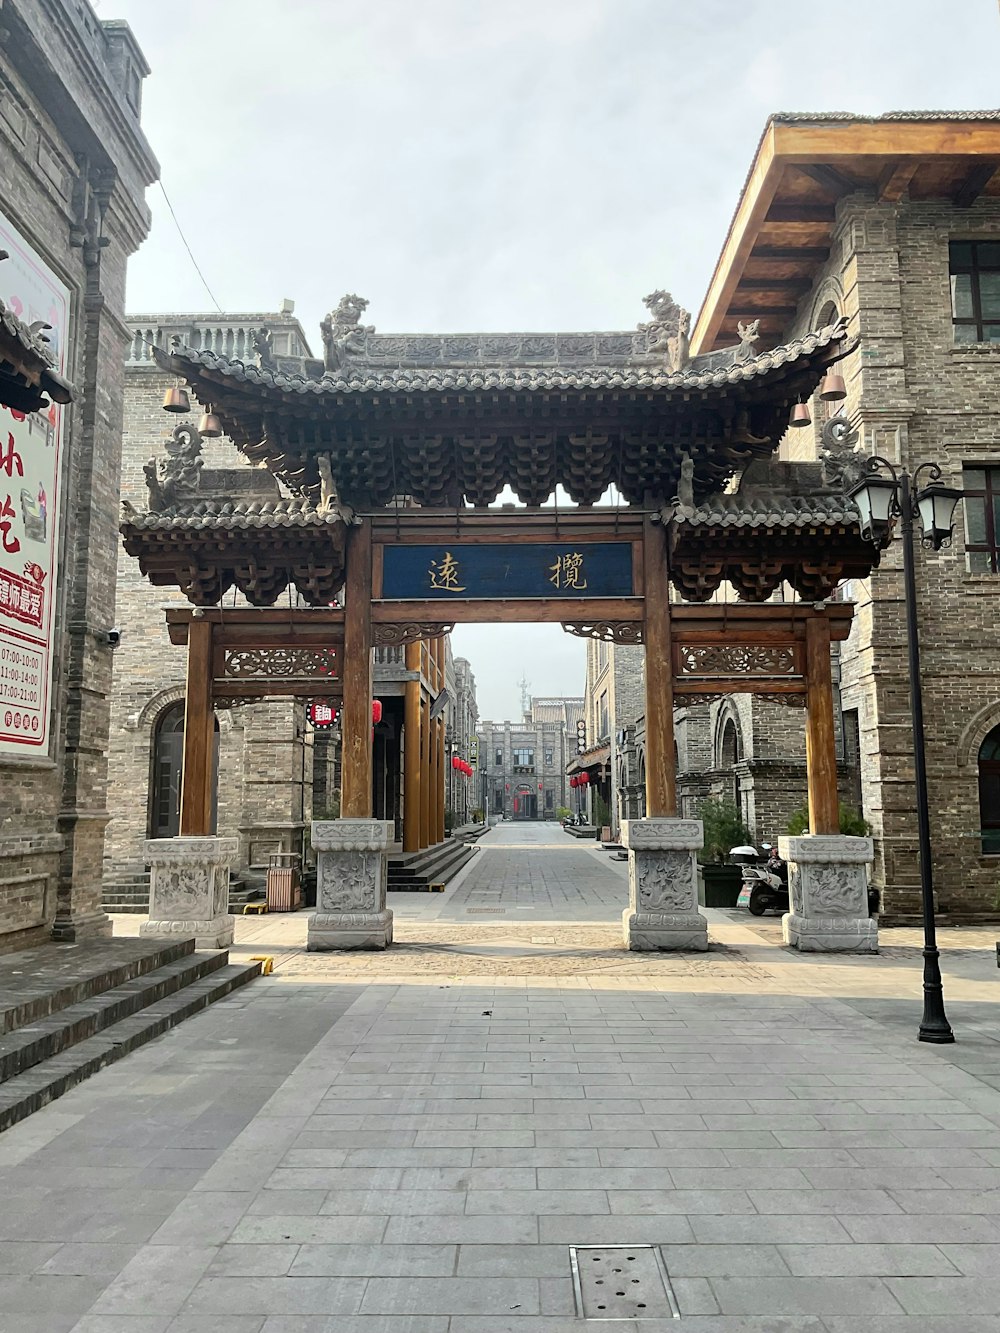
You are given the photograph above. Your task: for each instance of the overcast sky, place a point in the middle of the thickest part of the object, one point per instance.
(498, 164)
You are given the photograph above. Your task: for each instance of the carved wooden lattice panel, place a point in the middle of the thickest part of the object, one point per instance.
(610, 631)
(737, 660)
(282, 663)
(394, 634)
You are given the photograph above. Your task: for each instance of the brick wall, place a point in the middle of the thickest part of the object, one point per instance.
(73, 170)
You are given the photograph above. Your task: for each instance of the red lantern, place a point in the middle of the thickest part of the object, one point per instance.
(572, 782)
(376, 711)
(584, 779)
(455, 761)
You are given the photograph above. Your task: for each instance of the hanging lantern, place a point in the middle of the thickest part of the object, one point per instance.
(176, 399)
(800, 415)
(376, 711)
(210, 426)
(455, 761)
(585, 778)
(833, 388)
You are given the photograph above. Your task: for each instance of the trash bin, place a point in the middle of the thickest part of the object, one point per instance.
(283, 891)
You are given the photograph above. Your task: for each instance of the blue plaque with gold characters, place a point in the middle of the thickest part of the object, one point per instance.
(549, 569)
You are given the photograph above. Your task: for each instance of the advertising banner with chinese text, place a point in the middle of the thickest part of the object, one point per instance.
(30, 456)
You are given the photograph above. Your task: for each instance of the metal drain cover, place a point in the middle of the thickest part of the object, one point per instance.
(622, 1282)
(494, 911)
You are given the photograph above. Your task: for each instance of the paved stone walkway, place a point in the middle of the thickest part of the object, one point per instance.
(378, 1147)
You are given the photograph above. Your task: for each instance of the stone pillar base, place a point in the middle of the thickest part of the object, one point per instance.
(350, 885)
(828, 892)
(663, 885)
(82, 926)
(189, 889)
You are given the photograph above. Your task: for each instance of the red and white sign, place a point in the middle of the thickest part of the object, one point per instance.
(30, 456)
(322, 714)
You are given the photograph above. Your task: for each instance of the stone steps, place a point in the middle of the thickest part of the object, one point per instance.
(57, 1034)
(415, 872)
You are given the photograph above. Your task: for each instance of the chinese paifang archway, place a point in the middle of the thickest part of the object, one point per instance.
(388, 455)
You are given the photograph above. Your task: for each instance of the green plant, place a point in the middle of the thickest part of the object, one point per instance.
(477, 815)
(602, 815)
(563, 812)
(449, 820)
(852, 823)
(724, 829)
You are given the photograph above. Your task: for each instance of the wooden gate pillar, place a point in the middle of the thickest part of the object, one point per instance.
(411, 752)
(356, 711)
(661, 767)
(425, 774)
(821, 747)
(199, 733)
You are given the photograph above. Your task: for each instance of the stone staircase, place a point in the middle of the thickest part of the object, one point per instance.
(414, 872)
(67, 1010)
(127, 890)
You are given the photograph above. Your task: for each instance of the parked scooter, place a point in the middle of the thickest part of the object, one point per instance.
(765, 879)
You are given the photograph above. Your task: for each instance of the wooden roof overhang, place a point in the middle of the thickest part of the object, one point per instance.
(784, 221)
(450, 436)
(205, 548)
(28, 377)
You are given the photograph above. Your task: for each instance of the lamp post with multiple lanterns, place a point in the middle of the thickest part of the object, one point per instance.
(881, 500)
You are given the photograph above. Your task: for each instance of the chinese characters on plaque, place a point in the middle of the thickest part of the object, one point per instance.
(30, 457)
(525, 570)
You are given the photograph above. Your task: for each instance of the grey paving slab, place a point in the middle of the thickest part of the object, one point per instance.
(861, 1296)
(453, 1295)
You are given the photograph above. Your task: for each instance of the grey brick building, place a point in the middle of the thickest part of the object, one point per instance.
(522, 765)
(895, 226)
(74, 166)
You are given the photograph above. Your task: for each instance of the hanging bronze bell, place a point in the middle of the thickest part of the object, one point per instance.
(800, 415)
(176, 400)
(833, 388)
(210, 426)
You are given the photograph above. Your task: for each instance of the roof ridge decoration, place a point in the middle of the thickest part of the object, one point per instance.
(343, 333)
(355, 376)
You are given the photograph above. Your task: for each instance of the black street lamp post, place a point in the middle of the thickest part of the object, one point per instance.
(880, 500)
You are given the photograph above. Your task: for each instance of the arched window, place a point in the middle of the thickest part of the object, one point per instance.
(729, 750)
(989, 792)
(730, 754)
(168, 764)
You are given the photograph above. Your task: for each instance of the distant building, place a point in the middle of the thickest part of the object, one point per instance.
(522, 765)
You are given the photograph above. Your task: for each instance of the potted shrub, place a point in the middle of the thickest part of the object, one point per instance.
(720, 880)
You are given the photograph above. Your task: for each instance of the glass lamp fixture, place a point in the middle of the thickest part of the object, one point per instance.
(875, 497)
(936, 509)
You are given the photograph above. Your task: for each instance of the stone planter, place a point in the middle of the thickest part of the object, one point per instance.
(719, 886)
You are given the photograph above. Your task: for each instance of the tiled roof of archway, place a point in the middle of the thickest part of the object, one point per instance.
(637, 374)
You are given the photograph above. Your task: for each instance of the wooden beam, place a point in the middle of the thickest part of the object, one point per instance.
(796, 212)
(356, 673)
(784, 311)
(974, 183)
(821, 748)
(834, 181)
(895, 180)
(773, 285)
(411, 752)
(661, 766)
(542, 610)
(812, 254)
(197, 781)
